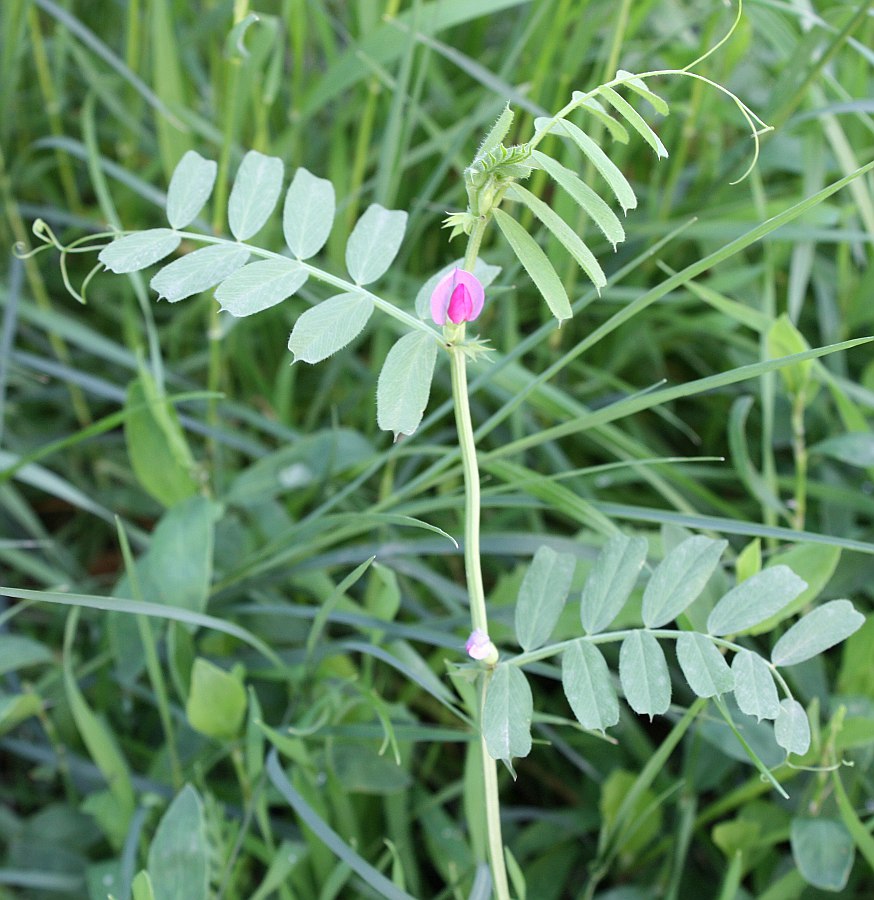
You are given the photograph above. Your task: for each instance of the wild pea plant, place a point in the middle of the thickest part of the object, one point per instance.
(710, 644)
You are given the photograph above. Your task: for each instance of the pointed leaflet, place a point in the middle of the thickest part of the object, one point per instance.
(542, 595)
(826, 626)
(568, 238)
(679, 578)
(260, 285)
(405, 383)
(754, 688)
(179, 853)
(483, 271)
(374, 242)
(138, 250)
(536, 264)
(190, 186)
(643, 673)
(585, 197)
(308, 213)
(619, 184)
(634, 119)
(610, 581)
(704, 667)
(330, 326)
(507, 713)
(617, 130)
(588, 687)
(754, 600)
(254, 194)
(497, 132)
(198, 271)
(639, 86)
(791, 727)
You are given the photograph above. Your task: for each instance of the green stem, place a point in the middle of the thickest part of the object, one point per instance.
(799, 450)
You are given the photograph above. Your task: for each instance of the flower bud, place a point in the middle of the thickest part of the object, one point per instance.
(480, 647)
(458, 298)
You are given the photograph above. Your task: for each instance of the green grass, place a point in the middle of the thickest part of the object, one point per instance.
(653, 410)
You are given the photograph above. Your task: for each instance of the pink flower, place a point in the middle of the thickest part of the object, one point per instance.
(458, 297)
(479, 646)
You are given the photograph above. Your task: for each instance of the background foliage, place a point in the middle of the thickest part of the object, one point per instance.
(258, 492)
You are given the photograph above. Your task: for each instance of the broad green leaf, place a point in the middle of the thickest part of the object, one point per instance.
(634, 119)
(599, 212)
(179, 853)
(157, 449)
(328, 327)
(679, 578)
(611, 580)
(497, 132)
(138, 250)
(704, 667)
(177, 568)
(640, 87)
(405, 383)
(374, 243)
(15, 708)
(754, 600)
(536, 264)
(190, 186)
(19, 652)
(754, 688)
(198, 271)
(568, 238)
(216, 701)
(141, 887)
(260, 285)
(854, 449)
(823, 851)
(588, 686)
(308, 213)
(483, 271)
(619, 184)
(791, 727)
(643, 673)
(254, 194)
(820, 629)
(542, 595)
(507, 713)
(617, 130)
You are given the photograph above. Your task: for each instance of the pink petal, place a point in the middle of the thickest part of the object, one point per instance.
(464, 310)
(460, 305)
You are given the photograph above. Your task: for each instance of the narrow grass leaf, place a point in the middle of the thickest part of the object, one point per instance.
(593, 205)
(374, 243)
(180, 851)
(588, 686)
(405, 383)
(507, 712)
(610, 581)
(858, 829)
(823, 851)
(855, 449)
(640, 87)
(138, 250)
(190, 186)
(619, 184)
(754, 600)
(679, 578)
(20, 652)
(542, 596)
(563, 232)
(198, 271)
(536, 264)
(704, 667)
(254, 194)
(634, 119)
(754, 688)
(820, 629)
(323, 330)
(643, 673)
(308, 816)
(216, 702)
(260, 285)
(308, 213)
(617, 130)
(791, 727)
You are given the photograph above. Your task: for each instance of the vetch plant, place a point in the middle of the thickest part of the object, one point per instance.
(711, 644)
